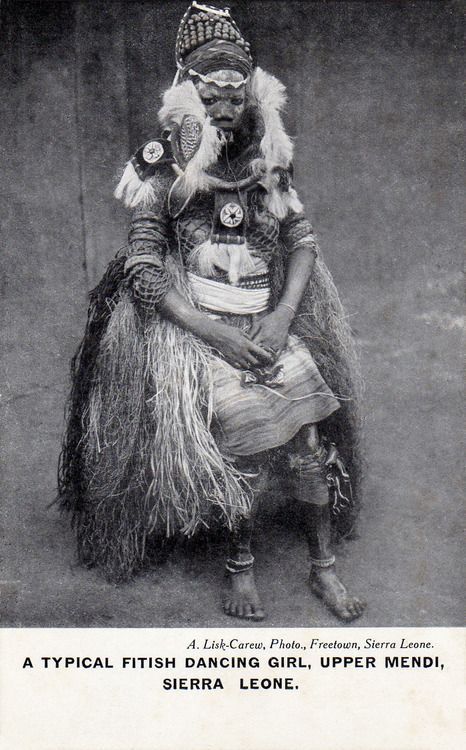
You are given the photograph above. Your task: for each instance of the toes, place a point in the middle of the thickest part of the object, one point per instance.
(354, 608)
(360, 606)
(243, 610)
(344, 613)
(247, 610)
(232, 608)
(335, 596)
(258, 614)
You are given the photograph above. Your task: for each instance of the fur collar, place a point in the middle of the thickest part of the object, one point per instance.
(275, 149)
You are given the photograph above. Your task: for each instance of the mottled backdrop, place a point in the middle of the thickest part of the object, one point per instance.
(375, 96)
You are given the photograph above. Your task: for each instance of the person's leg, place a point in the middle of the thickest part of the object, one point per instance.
(309, 474)
(241, 597)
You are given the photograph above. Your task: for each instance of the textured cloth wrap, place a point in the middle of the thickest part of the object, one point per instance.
(255, 418)
(218, 55)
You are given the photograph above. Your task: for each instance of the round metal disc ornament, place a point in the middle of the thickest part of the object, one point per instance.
(153, 151)
(231, 215)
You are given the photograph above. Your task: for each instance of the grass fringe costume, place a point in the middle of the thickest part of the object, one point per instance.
(141, 458)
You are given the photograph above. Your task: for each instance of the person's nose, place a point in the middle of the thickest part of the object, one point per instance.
(223, 111)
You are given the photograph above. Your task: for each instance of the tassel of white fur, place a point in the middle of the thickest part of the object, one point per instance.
(269, 95)
(133, 191)
(292, 201)
(280, 203)
(235, 259)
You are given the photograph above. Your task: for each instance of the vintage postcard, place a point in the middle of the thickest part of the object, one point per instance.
(232, 400)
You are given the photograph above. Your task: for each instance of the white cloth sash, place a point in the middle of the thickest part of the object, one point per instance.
(225, 298)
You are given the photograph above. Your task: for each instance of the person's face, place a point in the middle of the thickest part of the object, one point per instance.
(224, 105)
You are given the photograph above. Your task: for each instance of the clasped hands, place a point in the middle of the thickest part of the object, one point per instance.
(259, 347)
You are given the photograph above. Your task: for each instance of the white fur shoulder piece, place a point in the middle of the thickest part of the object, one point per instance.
(269, 95)
(181, 100)
(178, 101)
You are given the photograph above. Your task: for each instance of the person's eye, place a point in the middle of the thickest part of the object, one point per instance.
(208, 100)
(237, 101)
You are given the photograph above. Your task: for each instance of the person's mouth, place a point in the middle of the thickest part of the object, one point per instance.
(224, 124)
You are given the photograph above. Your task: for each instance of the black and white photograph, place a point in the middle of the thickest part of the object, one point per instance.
(232, 316)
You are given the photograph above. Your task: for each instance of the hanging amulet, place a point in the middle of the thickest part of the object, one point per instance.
(186, 139)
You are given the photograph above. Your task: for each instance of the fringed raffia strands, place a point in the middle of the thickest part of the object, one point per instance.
(133, 191)
(189, 475)
(111, 530)
(72, 471)
(328, 312)
(148, 460)
(120, 361)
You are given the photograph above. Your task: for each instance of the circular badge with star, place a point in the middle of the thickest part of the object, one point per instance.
(231, 215)
(153, 151)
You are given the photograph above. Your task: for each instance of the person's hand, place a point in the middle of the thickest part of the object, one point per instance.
(237, 347)
(271, 331)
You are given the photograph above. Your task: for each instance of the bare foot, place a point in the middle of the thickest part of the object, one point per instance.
(325, 584)
(242, 599)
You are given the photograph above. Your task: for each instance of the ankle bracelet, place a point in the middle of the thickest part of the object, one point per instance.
(239, 566)
(325, 563)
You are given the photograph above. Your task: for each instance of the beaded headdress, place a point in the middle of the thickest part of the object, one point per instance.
(209, 40)
(210, 47)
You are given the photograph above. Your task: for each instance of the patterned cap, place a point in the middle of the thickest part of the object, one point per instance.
(208, 39)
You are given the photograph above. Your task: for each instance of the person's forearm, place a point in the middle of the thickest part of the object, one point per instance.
(176, 308)
(231, 343)
(299, 270)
